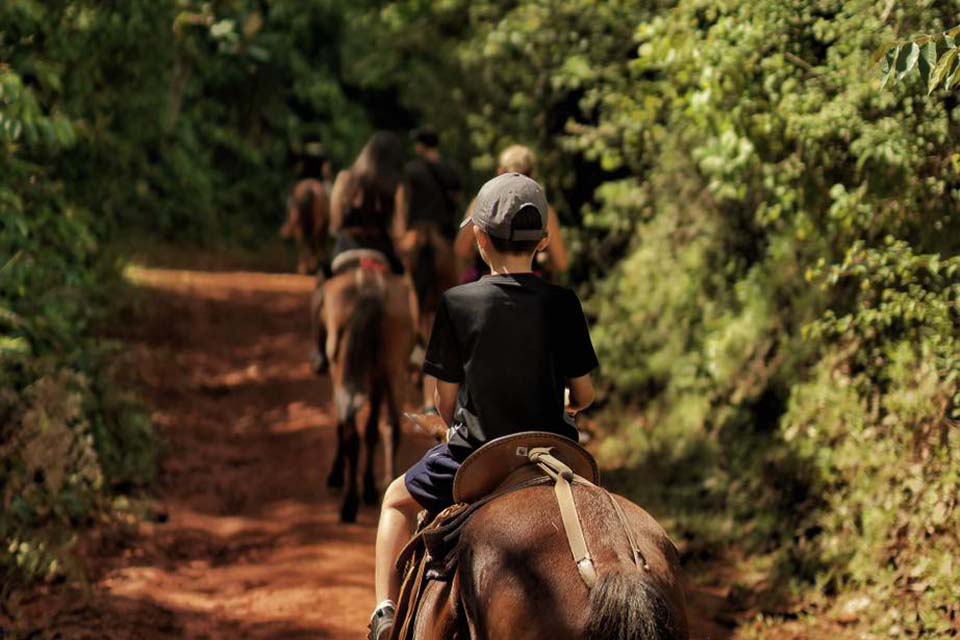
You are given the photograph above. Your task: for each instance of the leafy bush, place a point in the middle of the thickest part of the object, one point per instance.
(66, 436)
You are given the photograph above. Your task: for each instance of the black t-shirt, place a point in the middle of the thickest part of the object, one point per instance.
(433, 189)
(511, 342)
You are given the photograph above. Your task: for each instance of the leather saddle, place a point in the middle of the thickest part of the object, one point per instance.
(362, 258)
(506, 461)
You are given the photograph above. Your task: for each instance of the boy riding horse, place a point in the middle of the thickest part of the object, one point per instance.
(503, 350)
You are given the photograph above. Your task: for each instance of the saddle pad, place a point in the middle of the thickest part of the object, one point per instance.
(489, 466)
(354, 257)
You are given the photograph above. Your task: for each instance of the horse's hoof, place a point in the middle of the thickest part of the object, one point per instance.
(335, 481)
(370, 496)
(319, 363)
(348, 512)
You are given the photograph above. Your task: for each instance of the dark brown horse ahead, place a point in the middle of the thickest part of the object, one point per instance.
(367, 316)
(515, 576)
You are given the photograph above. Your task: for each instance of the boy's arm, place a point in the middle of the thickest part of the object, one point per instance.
(582, 394)
(445, 398)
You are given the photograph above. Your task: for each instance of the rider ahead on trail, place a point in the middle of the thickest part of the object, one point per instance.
(550, 263)
(435, 187)
(367, 211)
(368, 204)
(308, 209)
(503, 349)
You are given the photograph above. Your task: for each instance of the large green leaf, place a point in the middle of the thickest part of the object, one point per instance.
(907, 60)
(943, 69)
(890, 66)
(928, 60)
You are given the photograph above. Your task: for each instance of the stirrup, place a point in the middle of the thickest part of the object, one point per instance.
(381, 622)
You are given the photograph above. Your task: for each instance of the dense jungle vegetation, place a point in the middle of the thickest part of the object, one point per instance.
(767, 241)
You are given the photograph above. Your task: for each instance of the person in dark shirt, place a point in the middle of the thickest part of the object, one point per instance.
(435, 187)
(434, 199)
(503, 350)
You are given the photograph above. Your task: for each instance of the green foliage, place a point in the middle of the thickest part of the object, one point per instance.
(249, 85)
(66, 436)
(878, 422)
(768, 157)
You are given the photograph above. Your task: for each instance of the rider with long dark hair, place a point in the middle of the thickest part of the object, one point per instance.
(368, 205)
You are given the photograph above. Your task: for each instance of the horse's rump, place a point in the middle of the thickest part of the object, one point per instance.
(516, 578)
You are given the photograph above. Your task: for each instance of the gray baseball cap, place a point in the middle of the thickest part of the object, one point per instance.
(501, 198)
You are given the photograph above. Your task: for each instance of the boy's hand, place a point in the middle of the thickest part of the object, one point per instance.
(580, 394)
(432, 425)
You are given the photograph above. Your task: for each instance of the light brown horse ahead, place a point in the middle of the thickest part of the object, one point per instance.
(516, 578)
(369, 336)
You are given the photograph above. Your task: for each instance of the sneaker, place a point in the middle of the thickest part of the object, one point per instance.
(381, 622)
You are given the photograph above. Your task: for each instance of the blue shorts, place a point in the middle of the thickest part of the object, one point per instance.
(430, 479)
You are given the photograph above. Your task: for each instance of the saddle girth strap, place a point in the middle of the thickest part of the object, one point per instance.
(563, 476)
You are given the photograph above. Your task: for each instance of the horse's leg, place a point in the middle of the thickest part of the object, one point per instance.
(335, 479)
(371, 437)
(351, 448)
(320, 357)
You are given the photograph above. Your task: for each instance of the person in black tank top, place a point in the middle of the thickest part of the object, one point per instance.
(368, 204)
(503, 349)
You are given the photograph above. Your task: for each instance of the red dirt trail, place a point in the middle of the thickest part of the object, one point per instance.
(248, 544)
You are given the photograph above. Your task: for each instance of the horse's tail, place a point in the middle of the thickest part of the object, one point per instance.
(363, 338)
(626, 605)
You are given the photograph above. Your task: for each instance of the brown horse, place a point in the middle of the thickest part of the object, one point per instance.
(430, 262)
(515, 576)
(308, 217)
(369, 335)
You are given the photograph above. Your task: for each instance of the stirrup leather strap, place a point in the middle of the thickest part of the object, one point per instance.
(562, 476)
